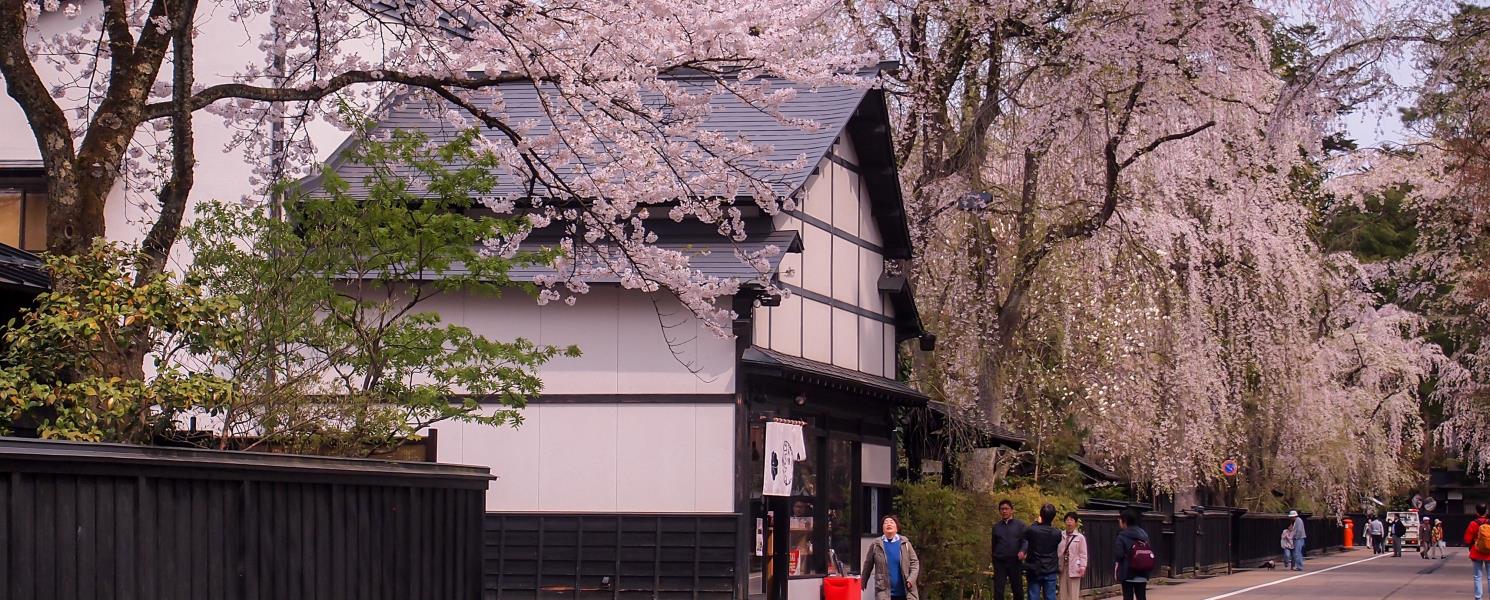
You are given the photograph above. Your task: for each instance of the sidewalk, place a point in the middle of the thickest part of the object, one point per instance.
(1353, 574)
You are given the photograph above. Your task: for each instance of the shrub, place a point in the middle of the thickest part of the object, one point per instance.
(950, 528)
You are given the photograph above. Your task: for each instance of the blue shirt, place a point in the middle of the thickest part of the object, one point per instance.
(892, 562)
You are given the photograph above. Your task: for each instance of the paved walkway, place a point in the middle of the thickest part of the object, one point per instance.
(1354, 575)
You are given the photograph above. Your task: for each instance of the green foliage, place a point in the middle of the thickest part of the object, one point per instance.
(951, 526)
(314, 334)
(343, 353)
(1382, 229)
(950, 531)
(71, 365)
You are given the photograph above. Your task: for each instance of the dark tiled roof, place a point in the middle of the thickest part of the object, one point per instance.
(834, 110)
(22, 270)
(521, 103)
(802, 368)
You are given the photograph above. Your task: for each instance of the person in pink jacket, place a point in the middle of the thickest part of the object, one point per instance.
(1073, 559)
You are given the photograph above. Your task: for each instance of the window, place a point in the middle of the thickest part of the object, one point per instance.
(805, 554)
(839, 491)
(23, 218)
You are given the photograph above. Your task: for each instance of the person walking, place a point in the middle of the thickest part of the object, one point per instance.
(1042, 547)
(1398, 530)
(1073, 558)
(1477, 537)
(1287, 543)
(1438, 544)
(1378, 535)
(891, 563)
(1008, 536)
(1300, 535)
(1425, 538)
(1135, 559)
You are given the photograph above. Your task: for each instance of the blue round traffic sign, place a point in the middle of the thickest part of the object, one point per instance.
(1229, 468)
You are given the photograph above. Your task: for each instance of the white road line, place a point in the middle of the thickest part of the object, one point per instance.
(1288, 579)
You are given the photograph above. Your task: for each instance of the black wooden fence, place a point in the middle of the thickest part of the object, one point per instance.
(1192, 543)
(122, 522)
(610, 557)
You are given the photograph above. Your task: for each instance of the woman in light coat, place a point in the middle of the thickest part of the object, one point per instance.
(1073, 559)
(892, 563)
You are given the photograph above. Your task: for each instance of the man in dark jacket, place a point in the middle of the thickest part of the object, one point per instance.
(1398, 530)
(1008, 539)
(1042, 543)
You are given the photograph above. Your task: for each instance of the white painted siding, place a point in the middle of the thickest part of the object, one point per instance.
(604, 458)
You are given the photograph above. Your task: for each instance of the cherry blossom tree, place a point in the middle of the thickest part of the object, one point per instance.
(1443, 173)
(112, 94)
(1115, 203)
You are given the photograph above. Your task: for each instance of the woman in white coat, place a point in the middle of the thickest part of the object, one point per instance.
(1073, 559)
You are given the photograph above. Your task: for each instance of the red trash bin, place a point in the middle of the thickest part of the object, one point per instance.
(840, 588)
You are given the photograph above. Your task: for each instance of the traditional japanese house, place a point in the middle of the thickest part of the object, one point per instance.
(639, 472)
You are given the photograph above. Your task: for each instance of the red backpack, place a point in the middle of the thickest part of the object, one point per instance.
(1141, 557)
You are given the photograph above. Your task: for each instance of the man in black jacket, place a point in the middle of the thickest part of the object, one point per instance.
(1042, 543)
(1008, 539)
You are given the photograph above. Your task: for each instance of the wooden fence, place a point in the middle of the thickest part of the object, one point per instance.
(1195, 543)
(123, 522)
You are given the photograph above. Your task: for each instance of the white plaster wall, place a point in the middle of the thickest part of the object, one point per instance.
(835, 267)
(846, 271)
(845, 339)
(875, 465)
(804, 589)
(649, 458)
(624, 347)
(817, 329)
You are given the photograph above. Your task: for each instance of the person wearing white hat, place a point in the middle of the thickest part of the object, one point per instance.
(1299, 533)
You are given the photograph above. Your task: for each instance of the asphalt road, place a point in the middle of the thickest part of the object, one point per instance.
(1355, 575)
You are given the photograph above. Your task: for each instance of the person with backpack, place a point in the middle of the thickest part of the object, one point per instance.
(1477, 537)
(1073, 558)
(1042, 546)
(1135, 558)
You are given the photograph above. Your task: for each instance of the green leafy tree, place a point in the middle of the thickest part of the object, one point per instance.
(53, 371)
(341, 352)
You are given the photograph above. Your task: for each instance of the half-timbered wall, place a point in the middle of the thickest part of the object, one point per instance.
(836, 313)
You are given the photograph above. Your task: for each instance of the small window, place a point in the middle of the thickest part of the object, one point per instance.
(23, 219)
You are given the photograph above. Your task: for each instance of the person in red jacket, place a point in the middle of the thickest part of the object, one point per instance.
(1481, 560)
